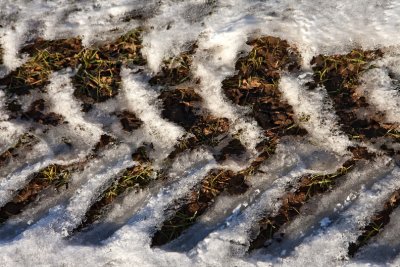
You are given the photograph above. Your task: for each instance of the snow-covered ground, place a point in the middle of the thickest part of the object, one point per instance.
(221, 29)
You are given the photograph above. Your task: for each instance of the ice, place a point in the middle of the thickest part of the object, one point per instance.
(325, 222)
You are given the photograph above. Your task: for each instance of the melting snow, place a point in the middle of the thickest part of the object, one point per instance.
(221, 29)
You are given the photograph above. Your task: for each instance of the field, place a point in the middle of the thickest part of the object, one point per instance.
(199, 133)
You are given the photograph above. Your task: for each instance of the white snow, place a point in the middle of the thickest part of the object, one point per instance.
(315, 113)
(221, 29)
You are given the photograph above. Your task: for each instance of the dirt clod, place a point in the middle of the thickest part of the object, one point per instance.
(129, 121)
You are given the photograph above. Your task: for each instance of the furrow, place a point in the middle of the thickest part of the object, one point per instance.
(263, 173)
(379, 86)
(322, 210)
(384, 246)
(309, 186)
(142, 101)
(336, 237)
(144, 223)
(314, 112)
(233, 234)
(114, 162)
(135, 178)
(376, 223)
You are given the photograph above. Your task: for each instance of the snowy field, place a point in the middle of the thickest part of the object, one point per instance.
(47, 230)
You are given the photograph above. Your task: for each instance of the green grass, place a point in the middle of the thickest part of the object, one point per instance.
(136, 177)
(55, 175)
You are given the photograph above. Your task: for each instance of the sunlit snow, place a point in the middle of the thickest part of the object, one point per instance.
(221, 237)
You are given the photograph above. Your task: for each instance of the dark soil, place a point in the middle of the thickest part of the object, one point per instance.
(340, 75)
(14, 107)
(181, 106)
(37, 113)
(1, 55)
(233, 149)
(104, 141)
(175, 70)
(309, 186)
(129, 121)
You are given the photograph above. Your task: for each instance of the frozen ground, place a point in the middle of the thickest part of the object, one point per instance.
(37, 236)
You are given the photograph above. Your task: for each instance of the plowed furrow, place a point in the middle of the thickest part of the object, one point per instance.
(309, 186)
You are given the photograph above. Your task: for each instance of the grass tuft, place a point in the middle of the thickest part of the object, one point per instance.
(98, 76)
(46, 57)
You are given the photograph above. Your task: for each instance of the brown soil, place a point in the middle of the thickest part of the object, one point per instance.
(256, 82)
(340, 76)
(181, 106)
(104, 141)
(55, 176)
(309, 186)
(175, 70)
(23, 145)
(377, 223)
(256, 85)
(216, 182)
(46, 56)
(37, 113)
(129, 121)
(141, 154)
(209, 131)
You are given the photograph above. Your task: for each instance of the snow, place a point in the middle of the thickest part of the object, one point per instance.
(142, 101)
(221, 29)
(381, 90)
(315, 113)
